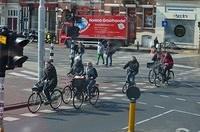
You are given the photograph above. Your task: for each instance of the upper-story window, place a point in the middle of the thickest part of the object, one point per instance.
(12, 13)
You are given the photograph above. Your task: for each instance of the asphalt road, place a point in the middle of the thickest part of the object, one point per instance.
(169, 108)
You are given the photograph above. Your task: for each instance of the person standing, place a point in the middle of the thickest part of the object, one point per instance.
(100, 52)
(109, 53)
(73, 51)
(80, 50)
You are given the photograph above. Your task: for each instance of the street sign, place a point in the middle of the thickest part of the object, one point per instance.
(133, 93)
(164, 23)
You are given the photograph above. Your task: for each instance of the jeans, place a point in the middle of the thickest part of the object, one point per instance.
(72, 62)
(109, 56)
(130, 77)
(98, 57)
(47, 89)
(90, 83)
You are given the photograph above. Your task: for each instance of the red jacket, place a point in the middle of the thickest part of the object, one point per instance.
(167, 59)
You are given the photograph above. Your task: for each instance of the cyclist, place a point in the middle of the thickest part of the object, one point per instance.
(50, 79)
(132, 70)
(91, 75)
(167, 63)
(77, 68)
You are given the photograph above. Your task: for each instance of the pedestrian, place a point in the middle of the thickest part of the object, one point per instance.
(73, 51)
(109, 52)
(100, 52)
(78, 67)
(80, 50)
(155, 42)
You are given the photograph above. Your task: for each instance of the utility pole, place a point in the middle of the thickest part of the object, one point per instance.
(199, 38)
(41, 47)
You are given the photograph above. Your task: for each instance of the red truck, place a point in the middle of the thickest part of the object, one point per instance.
(99, 27)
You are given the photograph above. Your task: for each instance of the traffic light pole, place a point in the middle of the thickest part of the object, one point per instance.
(1, 103)
(41, 47)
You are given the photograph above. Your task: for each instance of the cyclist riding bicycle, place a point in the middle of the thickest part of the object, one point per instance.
(167, 63)
(49, 79)
(132, 70)
(91, 75)
(77, 68)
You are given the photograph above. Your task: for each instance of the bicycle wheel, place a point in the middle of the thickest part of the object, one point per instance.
(67, 94)
(78, 100)
(56, 99)
(169, 75)
(34, 102)
(151, 76)
(158, 80)
(94, 95)
(124, 88)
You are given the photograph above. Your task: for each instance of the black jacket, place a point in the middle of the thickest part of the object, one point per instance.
(133, 66)
(50, 75)
(91, 73)
(77, 69)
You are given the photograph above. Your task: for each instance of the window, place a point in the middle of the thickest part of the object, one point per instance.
(148, 17)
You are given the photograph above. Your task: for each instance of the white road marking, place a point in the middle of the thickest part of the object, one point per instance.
(164, 96)
(110, 90)
(157, 106)
(154, 117)
(140, 83)
(118, 88)
(198, 102)
(188, 72)
(180, 99)
(107, 98)
(114, 85)
(46, 111)
(29, 115)
(23, 75)
(141, 103)
(104, 87)
(102, 93)
(185, 112)
(118, 95)
(66, 107)
(30, 73)
(10, 119)
(184, 66)
(27, 90)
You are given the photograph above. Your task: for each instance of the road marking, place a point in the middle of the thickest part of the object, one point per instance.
(106, 98)
(164, 96)
(184, 66)
(10, 119)
(182, 130)
(46, 111)
(194, 114)
(114, 85)
(118, 95)
(27, 90)
(102, 93)
(198, 102)
(154, 117)
(140, 83)
(65, 107)
(142, 103)
(110, 90)
(188, 72)
(180, 99)
(30, 73)
(118, 88)
(157, 106)
(29, 115)
(23, 75)
(104, 87)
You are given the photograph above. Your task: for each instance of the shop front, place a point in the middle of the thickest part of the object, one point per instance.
(178, 23)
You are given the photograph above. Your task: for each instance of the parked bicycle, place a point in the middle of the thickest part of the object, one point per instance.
(37, 98)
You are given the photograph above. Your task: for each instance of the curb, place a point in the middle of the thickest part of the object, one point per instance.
(16, 106)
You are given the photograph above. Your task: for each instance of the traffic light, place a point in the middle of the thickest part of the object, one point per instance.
(73, 32)
(3, 51)
(199, 24)
(12, 50)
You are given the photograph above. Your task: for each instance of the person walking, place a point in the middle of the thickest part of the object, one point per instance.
(73, 51)
(100, 52)
(80, 50)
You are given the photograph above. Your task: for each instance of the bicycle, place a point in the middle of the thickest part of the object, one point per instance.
(159, 76)
(128, 84)
(37, 98)
(80, 92)
(151, 75)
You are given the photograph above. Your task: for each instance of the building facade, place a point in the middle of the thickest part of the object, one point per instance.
(178, 22)
(22, 15)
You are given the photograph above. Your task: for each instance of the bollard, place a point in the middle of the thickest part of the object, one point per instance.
(131, 120)
(138, 45)
(1, 103)
(51, 52)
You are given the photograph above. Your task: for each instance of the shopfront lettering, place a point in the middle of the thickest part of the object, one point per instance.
(181, 16)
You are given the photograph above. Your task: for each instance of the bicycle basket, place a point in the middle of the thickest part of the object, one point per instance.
(79, 83)
(38, 86)
(150, 64)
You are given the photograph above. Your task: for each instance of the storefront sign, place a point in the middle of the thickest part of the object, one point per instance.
(107, 27)
(185, 16)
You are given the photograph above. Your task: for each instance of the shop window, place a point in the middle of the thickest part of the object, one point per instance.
(148, 17)
(139, 20)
